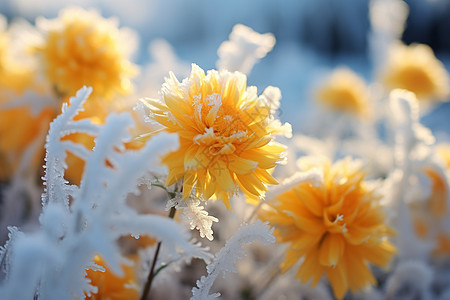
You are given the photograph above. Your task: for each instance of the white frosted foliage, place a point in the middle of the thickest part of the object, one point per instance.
(50, 263)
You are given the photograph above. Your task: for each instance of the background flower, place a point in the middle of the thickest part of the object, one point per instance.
(345, 91)
(416, 68)
(336, 228)
(82, 48)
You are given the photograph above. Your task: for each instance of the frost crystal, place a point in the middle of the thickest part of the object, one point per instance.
(198, 218)
(226, 258)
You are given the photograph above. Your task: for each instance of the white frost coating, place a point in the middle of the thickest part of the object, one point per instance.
(51, 262)
(313, 176)
(244, 49)
(226, 258)
(271, 96)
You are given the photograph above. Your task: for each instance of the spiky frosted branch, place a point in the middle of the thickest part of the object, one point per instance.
(50, 263)
(226, 258)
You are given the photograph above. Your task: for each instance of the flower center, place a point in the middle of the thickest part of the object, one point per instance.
(416, 80)
(228, 123)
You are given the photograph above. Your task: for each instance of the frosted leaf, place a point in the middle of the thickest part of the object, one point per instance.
(225, 260)
(5, 250)
(56, 187)
(410, 280)
(243, 49)
(197, 218)
(36, 102)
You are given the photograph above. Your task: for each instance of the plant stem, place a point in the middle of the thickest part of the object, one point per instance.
(151, 275)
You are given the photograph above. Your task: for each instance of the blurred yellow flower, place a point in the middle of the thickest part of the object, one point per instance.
(14, 75)
(336, 228)
(416, 68)
(18, 126)
(431, 215)
(82, 48)
(345, 91)
(111, 286)
(226, 134)
(443, 151)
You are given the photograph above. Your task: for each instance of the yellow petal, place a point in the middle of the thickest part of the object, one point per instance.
(331, 250)
(241, 165)
(188, 184)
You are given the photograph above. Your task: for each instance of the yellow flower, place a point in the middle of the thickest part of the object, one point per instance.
(416, 69)
(336, 228)
(345, 91)
(18, 127)
(82, 48)
(225, 132)
(111, 286)
(430, 215)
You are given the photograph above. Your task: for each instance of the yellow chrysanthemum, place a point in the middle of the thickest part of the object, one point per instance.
(345, 91)
(336, 228)
(82, 48)
(416, 69)
(225, 131)
(111, 286)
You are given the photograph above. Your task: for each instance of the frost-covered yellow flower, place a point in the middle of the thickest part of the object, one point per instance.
(111, 286)
(345, 91)
(336, 228)
(82, 48)
(416, 68)
(225, 130)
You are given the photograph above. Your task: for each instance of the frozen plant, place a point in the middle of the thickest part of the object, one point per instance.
(78, 223)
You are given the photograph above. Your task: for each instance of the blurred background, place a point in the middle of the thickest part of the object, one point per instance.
(313, 37)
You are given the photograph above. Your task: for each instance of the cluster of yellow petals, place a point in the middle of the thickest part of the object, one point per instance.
(335, 228)
(345, 91)
(111, 286)
(225, 133)
(82, 48)
(416, 68)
